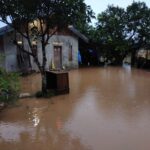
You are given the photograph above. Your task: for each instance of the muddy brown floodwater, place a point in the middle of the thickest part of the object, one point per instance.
(107, 109)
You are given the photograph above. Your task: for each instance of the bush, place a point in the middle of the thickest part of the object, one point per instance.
(9, 86)
(49, 94)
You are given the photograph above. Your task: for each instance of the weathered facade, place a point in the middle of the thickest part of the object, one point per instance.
(61, 51)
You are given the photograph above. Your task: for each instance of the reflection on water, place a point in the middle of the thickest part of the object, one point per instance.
(36, 119)
(107, 109)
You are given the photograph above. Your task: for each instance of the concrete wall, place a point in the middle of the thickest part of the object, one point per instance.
(10, 53)
(11, 63)
(2, 53)
(65, 42)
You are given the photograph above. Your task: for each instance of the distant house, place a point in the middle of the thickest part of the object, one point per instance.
(61, 52)
(143, 53)
(143, 58)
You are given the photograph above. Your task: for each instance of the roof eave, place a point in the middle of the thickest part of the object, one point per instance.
(78, 34)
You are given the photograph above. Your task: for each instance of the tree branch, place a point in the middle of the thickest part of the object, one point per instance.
(22, 49)
(49, 36)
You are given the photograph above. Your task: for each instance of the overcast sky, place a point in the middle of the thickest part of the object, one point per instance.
(100, 5)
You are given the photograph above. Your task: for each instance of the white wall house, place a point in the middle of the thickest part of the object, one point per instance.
(61, 51)
(143, 53)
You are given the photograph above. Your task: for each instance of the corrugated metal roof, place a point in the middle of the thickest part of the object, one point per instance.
(5, 30)
(76, 32)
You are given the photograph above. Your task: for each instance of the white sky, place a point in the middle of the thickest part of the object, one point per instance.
(100, 5)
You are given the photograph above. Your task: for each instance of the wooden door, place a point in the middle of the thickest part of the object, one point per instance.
(58, 57)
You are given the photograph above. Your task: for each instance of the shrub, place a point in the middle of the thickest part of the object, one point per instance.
(9, 86)
(49, 94)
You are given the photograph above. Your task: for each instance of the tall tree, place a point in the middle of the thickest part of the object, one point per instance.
(33, 19)
(111, 31)
(138, 27)
(83, 25)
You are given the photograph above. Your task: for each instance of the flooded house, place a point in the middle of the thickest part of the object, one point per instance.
(61, 52)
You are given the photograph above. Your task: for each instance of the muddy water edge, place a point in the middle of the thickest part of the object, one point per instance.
(107, 109)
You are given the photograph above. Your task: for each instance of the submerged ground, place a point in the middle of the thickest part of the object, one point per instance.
(107, 109)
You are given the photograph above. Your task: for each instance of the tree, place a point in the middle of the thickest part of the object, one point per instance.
(138, 27)
(85, 18)
(111, 32)
(121, 32)
(38, 20)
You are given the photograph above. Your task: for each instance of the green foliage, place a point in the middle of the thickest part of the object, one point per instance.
(82, 24)
(121, 31)
(9, 86)
(111, 29)
(138, 23)
(58, 13)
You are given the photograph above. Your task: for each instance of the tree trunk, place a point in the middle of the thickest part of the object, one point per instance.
(133, 58)
(44, 89)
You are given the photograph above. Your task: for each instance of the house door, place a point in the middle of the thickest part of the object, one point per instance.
(58, 57)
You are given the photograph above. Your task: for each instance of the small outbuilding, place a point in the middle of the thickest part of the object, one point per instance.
(61, 52)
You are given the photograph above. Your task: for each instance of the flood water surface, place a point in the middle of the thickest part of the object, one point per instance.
(107, 109)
